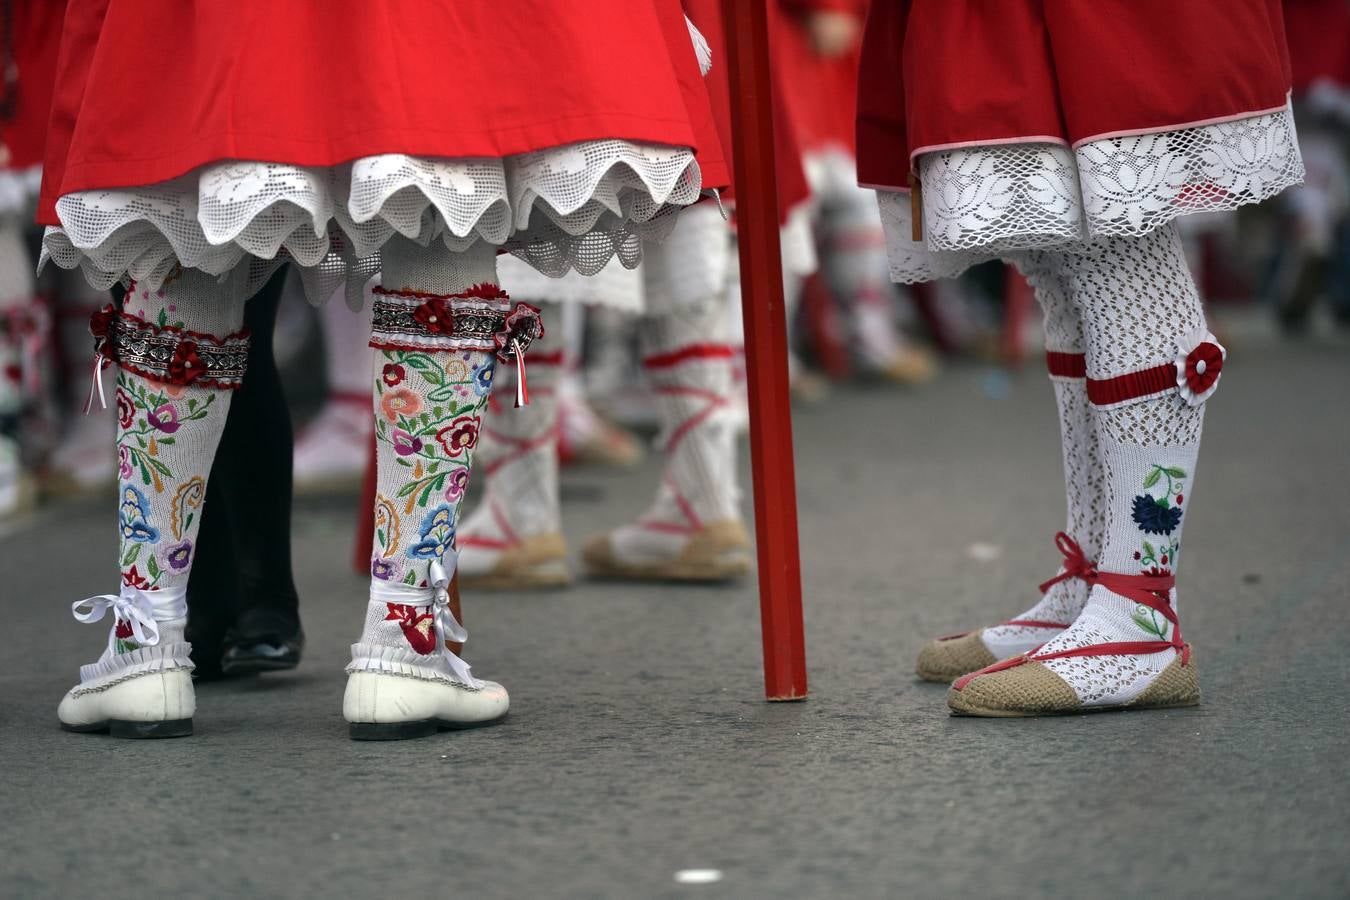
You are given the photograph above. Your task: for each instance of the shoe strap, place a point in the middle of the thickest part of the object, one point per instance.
(1075, 565)
(1152, 591)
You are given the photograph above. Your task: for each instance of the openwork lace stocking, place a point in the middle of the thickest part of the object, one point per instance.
(1084, 479)
(181, 351)
(1150, 366)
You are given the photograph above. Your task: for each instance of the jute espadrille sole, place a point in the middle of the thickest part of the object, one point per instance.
(719, 552)
(947, 659)
(1033, 690)
(536, 562)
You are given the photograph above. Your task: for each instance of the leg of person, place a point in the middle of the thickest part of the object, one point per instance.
(16, 300)
(854, 258)
(584, 436)
(440, 325)
(265, 634)
(514, 539)
(1150, 366)
(332, 449)
(181, 354)
(1063, 596)
(693, 529)
(80, 462)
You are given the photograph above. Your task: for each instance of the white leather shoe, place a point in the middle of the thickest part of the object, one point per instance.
(151, 705)
(383, 706)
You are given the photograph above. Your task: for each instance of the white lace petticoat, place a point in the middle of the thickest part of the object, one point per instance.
(981, 202)
(565, 208)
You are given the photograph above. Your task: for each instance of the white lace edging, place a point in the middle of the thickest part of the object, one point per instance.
(569, 207)
(982, 201)
(406, 663)
(101, 675)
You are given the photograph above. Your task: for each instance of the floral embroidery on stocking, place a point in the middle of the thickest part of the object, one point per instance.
(416, 626)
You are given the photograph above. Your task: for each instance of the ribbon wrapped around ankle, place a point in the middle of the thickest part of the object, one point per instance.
(447, 627)
(141, 610)
(1076, 564)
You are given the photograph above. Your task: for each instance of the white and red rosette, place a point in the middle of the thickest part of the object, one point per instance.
(1199, 364)
(521, 327)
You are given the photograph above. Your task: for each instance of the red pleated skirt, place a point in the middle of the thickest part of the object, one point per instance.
(148, 90)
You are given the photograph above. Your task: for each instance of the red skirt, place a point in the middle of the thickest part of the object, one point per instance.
(1035, 123)
(148, 90)
(36, 30)
(937, 74)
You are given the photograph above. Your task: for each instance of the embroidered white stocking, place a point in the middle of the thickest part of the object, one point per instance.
(440, 325)
(181, 351)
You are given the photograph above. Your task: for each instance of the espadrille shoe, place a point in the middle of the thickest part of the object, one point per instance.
(141, 687)
(404, 681)
(716, 551)
(948, 658)
(536, 561)
(1157, 674)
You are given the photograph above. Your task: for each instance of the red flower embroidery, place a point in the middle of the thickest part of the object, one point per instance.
(459, 435)
(126, 409)
(393, 374)
(436, 316)
(1203, 365)
(523, 325)
(133, 578)
(186, 365)
(123, 630)
(417, 627)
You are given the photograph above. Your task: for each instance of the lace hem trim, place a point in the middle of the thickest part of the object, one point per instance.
(980, 202)
(570, 207)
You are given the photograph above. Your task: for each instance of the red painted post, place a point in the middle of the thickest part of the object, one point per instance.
(757, 223)
(365, 517)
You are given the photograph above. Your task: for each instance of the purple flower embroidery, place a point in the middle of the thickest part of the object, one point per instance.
(456, 485)
(384, 569)
(179, 555)
(165, 418)
(124, 463)
(405, 444)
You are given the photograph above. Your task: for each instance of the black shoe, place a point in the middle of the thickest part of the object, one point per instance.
(206, 633)
(262, 640)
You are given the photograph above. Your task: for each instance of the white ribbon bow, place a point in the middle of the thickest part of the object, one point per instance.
(132, 605)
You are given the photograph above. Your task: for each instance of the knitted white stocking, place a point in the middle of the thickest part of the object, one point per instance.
(181, 352)
(1150, 366)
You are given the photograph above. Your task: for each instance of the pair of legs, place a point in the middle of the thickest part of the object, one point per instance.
(440, 330)
(1125, 336)
(692, 530)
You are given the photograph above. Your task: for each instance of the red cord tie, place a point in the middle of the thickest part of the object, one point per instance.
(1076, 564)
(1152, 591)
(521, 327)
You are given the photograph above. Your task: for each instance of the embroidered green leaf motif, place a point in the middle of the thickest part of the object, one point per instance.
(1148, 550)
(152, 565)
(192, 404)
(131, 555)
(163, 318)
(410, 579)
(1146, 619)
(1153, 477)
(1175, 472)
(167, 442)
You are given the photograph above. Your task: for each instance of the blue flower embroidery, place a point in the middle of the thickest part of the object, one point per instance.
(133, 515)
(437, 533)
(482, 377)
(1154, 516)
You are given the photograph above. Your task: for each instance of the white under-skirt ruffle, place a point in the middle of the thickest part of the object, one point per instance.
(981, 202)
(566, 208)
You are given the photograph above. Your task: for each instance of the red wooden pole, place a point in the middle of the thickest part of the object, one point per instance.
(780, 587)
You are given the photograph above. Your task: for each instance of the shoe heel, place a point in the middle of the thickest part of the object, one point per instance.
(392, 731)
(137, 730)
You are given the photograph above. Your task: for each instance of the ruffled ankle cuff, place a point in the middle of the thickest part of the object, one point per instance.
(409, 664)
(101, 675)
